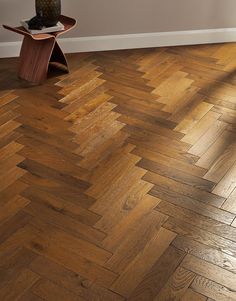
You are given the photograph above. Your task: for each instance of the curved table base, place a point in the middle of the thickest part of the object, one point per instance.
(35, 57)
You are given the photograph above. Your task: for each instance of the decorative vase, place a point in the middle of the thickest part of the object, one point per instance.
(49, 11)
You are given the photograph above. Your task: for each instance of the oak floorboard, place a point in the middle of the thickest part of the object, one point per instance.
(117, 180)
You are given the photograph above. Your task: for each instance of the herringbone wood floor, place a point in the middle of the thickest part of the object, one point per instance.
(118, 181)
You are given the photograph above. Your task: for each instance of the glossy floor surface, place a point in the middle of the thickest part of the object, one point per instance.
(118, 181)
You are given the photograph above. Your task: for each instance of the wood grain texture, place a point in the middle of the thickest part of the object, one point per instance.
(117, 181)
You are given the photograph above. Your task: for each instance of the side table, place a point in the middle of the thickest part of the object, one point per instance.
(39, 50)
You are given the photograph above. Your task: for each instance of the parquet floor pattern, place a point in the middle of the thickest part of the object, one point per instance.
(118, 181)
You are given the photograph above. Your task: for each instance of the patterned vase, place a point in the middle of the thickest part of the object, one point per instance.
(49, 10)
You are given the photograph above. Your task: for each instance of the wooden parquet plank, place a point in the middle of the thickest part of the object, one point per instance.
(18, 221)
(47, 290)
(192, 118)
(216, 149)
(119, 232)
(82, 90)
(193, 205)
(155, 128)
(89, 105)
(47, 138)
(234, 223)
(68, 258)
(102, 191)
(164, 72)
(100, 112)
(208, 270)
(71, 281)
(11, 176)
(183, 189)
(149, 106)
(145, 117)
(135, 271)
(55, 187)
(29, 296)
(158, 275)
(193, 296)
(211, 135)
(104, 150)
(230, 204)
(193, 218)
(10, 163)
(68, 208)
(228, 183)
(206, 253)
(9, 150)
(160, 148)
(14, 265)
(134, 242)
(13, 206)
(222, 164)
(148, 137)
(65, 240)
(126, 203)
(90, 75)
(54, 217)
(177, 285)
(172, 90)
(212, 289)
(167, 161)
(53, 157)
(179, 176)
(201, 127)
(7, 98)
(50, 174)
(203, 244)
(21, 284)
(117, 181)
(81, 107)
(108, 165)
(7, 116)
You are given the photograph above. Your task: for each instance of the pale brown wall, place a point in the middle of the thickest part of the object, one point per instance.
(111, 17)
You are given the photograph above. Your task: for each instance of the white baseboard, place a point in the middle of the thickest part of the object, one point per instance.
(130, 41)
(9, 49)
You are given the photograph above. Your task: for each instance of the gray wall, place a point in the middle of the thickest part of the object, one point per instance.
(110, 17)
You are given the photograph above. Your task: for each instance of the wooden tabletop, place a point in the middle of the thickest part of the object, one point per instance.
(68, 23)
